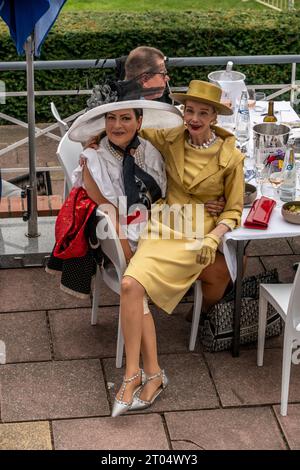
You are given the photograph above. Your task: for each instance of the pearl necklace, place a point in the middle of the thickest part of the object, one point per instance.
(138, 155)
(206, 144)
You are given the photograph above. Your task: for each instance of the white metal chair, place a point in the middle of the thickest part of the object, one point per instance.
(111, 274)
(285, 298)
(63, 126)
(68, 153)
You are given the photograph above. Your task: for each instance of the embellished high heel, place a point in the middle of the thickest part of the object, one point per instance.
(138, 403)
(121, 407)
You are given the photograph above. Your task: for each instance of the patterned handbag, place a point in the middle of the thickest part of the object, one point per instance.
(216, 331)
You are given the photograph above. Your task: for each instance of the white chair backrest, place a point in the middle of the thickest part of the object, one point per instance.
(110, 243)
(68, 153)
(63, 126)
(293, 312)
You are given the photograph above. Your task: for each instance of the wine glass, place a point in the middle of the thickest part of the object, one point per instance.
(272, 178)
(259, 164)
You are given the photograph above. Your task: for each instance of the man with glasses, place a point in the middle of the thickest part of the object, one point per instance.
(146, 65)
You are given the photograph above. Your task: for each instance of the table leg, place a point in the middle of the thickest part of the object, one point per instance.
(238, 298)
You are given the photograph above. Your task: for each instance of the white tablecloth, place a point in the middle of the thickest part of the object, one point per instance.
(278, 228)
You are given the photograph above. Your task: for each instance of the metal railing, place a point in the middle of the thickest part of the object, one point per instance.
(293, 87)
(279, 5)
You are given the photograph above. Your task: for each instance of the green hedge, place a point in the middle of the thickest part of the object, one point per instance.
(109, 35)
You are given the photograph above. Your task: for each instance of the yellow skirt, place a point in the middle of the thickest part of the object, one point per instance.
(166, 269)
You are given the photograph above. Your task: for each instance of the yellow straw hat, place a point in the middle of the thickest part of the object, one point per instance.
(204, 92)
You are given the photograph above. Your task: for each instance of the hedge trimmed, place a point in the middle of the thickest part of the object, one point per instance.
(82, 35)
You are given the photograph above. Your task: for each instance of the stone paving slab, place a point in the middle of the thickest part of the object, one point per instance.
(272, 246)
(26, 336)
(295, 245)
(133, 432)
(34, 289)
(253, 266)
(51, 390)
(25, 436)
(107, 296)
(190, 385)
(176, 324)
(234, 429)
(284, 265)
(239, 381)
(290, 425)
(73, 335)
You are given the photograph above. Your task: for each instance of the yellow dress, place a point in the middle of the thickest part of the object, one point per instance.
(166, 265)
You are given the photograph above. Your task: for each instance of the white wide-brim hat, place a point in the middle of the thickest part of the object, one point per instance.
(155, 115)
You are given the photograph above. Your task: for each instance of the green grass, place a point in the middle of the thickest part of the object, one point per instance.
(168, 5)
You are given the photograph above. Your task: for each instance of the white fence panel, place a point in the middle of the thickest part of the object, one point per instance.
(279, 5)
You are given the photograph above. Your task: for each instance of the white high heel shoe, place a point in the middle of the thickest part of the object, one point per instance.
(138, 403)
(121, 407)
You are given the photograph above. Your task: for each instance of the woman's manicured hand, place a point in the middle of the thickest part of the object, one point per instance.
(207, 253)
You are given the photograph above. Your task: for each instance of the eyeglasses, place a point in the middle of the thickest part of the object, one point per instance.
(164, 73)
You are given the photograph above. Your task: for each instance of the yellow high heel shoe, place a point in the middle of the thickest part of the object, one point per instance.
(138, 403)
(121, 407)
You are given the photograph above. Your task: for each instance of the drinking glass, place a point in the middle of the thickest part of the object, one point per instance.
(259, 167)
(259, 96)
(253, 97)
(272, 178)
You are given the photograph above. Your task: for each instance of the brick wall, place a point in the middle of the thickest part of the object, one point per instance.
(15, 206)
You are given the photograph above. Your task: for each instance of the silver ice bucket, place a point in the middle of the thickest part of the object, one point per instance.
(269, 134)
(269, 139)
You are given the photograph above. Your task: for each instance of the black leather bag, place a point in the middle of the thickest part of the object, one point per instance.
(216, 327)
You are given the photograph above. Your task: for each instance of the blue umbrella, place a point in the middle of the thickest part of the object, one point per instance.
(29, 22)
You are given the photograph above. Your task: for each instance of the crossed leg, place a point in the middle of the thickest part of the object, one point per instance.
(139, 337)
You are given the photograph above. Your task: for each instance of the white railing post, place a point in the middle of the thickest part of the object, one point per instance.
(293, 84)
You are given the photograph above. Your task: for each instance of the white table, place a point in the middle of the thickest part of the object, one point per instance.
(233, 246)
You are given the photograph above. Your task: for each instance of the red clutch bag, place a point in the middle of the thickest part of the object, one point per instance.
(259, 214)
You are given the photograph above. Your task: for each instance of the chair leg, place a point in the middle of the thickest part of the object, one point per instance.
(66, 189)
(196, 314)
(286, 371)
(120, 343)
(96, 294)
(262, 321)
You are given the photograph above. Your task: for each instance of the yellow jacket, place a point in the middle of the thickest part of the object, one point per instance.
(222, 176)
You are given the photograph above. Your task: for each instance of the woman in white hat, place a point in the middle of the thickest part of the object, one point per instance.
(202, 164)
(120, 163)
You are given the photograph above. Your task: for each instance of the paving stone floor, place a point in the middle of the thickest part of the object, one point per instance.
(56, 386)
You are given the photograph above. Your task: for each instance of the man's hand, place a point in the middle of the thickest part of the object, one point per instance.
(93, 143)
(215, 207)
(207, 253)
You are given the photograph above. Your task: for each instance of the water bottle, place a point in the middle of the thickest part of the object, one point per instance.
(288, 186)
(243, 120)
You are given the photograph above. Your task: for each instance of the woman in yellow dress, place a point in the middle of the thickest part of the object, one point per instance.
(202, 164)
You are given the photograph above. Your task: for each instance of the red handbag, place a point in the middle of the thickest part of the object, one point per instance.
(260, 213)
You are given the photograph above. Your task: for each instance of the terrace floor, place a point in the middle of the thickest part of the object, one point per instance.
(57, 383)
